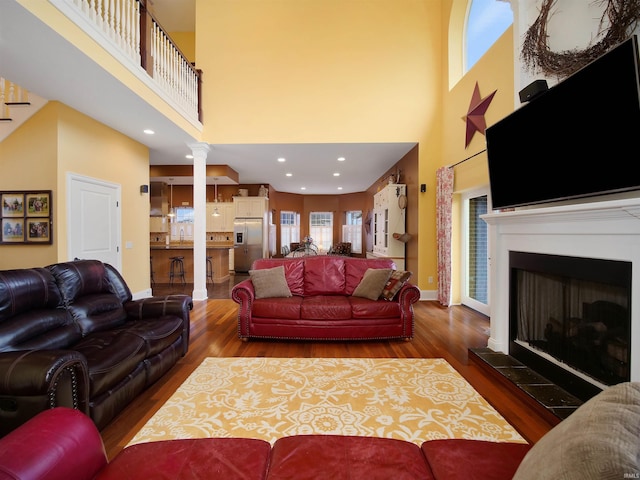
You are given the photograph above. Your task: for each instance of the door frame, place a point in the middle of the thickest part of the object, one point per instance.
(464, 260)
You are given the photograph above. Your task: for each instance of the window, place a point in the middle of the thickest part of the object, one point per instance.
(352, 230)
(321, 229)
(475, 252)
(289, 228)
(487, 21)
(184, 215)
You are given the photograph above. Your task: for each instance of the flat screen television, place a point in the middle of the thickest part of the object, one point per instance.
(580, 138)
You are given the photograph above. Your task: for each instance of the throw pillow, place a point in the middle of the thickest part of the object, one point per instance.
(598, 440)
(397, 279)
(372, 283)
(269, 282)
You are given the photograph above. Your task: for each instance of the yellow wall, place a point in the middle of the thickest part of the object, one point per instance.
(186, 42)
(493, 72)
(292, 71)
(56, 141)
(330, 71)
(28, 160)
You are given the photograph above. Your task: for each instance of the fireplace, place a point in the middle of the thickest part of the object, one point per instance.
(582, 260)
(570, 317)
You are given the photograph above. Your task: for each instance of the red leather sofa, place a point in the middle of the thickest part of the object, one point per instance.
(322, 305)
(597, 441)
(63, 444)
(71, 335)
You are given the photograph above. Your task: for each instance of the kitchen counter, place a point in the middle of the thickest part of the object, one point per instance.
(160, 254)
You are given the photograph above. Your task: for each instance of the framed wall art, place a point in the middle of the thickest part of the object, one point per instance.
(26, 217)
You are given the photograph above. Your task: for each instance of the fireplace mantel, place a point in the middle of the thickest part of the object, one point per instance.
(606, 229)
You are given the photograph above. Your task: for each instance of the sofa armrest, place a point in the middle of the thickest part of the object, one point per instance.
(244, 294)
(408, 295)
(56, 444)
(35, 380)
(160, 306)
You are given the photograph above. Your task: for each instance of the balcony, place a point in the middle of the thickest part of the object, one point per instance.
(109, 59)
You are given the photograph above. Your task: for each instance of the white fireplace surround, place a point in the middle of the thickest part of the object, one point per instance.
(607, 229)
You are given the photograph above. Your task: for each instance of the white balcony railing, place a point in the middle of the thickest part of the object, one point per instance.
(138, 38)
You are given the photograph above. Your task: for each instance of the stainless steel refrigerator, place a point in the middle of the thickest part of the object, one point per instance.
(248, 238)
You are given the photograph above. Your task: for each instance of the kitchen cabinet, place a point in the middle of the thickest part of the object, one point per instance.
(158, 224)
(251, 207)
(224, 221)
(388, 219)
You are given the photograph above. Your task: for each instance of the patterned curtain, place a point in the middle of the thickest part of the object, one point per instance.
(444, 201)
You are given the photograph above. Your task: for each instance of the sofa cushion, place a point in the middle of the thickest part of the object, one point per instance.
(158, 333)
(344, 457)
(97, 312)
(111, 356)
(23, 290)
(324, 275)
(293, 271)
(396, 281)
(325, 307)
(372, 283)
(365, 308)
(269, 282)
(461, 459)
(598, 440)
(355, 268)
(284, 308)
(223, 458)
(82, 277)
(29, 315)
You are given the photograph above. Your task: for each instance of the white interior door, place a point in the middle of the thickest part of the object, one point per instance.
(93, 208)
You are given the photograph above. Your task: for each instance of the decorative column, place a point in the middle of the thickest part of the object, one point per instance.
(199, 151)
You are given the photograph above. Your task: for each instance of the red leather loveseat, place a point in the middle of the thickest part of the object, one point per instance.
(324, 299)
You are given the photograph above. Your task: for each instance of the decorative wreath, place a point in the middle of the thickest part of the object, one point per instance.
(623, 18)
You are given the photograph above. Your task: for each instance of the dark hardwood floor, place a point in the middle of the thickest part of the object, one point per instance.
(439, 333)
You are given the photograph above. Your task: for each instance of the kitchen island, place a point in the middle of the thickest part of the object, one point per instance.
(160, 261)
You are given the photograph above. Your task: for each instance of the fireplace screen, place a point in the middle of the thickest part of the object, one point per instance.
(563, 307)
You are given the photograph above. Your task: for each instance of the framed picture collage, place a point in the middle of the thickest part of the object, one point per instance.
(26, 217)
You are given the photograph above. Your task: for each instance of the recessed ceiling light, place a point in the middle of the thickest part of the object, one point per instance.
(336, 174)
(339, 188)
(148, 131)
(341, 159)
(303, 188)
(289, 174)
(282, 159)
(188, 156)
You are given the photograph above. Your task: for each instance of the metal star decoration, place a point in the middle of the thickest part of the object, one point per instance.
(475, 115)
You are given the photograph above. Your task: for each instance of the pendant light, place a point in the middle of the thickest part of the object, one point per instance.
(172, 212)
(216, 213)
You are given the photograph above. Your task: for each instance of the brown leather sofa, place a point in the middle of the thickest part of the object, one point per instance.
(322, 304)
(71, 335)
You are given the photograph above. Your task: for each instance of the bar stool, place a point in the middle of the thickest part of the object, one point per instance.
(209, 270)
(153, 281)
(176, 268)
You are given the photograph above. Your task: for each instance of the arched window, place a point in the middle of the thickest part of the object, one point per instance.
(486, 22)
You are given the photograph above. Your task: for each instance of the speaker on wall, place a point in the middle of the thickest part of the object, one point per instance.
(532, 90)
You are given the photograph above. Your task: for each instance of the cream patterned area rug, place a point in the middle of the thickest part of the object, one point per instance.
(269, 398)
